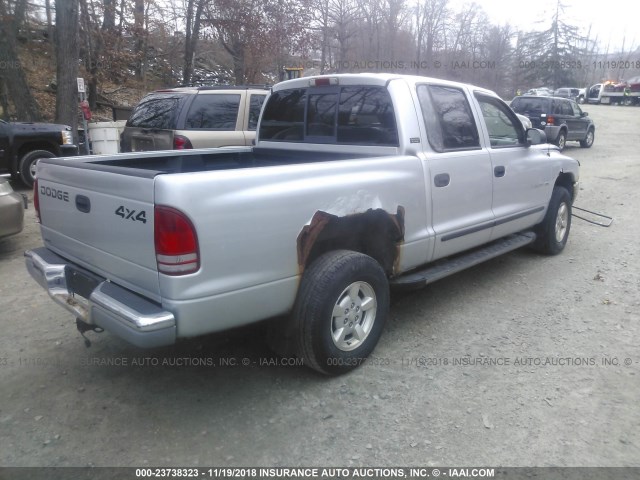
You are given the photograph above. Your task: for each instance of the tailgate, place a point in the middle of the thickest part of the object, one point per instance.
(147, 139)
(102, 221)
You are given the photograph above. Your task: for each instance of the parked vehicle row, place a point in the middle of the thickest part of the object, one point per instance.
(577, 94)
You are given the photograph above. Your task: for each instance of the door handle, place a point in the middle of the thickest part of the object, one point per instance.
(499, 171)
(441, 180)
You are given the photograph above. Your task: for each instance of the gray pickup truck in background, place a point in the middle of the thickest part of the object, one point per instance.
(357, 183)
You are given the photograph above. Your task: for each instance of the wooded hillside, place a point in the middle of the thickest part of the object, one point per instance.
(125, 48)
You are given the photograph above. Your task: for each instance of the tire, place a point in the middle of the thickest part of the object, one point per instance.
(28, 164)
(561, 141)
(335, 291)
(588, 140)
(553, 232)
(581, 100)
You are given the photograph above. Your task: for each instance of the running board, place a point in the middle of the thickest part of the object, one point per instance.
(448, 266)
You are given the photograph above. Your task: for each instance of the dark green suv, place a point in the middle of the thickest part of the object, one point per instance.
(562, 119)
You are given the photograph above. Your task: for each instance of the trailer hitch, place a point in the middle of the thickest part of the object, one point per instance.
(606, 223)
(85, 327)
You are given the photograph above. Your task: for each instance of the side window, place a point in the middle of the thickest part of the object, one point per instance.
(561, 107)
(577, 111)
(255, 105)
(505, 130)
(448, 118)
(213, 112)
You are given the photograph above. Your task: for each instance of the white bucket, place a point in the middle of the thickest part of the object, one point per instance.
(105, 137)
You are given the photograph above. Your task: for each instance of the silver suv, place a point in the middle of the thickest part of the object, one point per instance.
(194, 117)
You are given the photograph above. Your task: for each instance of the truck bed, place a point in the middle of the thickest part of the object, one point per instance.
(202, 160)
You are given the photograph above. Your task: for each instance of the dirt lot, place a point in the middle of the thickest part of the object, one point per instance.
(522, 361)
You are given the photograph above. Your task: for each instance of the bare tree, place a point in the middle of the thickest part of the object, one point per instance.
(139, 35)
(258, 34)
(67, 54)
(109, 16)
(430, 20)
(343, 15)
(371, 16)
(193, 23)
(321, 9)
(394, 15)
(12, 72)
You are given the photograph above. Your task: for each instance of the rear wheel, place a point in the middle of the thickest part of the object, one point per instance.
(28, 165)
(588, 140)
(561, 141)
(553, 232)
(340, 311)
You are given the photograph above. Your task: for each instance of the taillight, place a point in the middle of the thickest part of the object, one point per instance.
(176, 242)
(550, 120)
(181, 143)
(36, 200)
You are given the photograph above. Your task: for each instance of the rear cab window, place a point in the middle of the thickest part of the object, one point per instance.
(351, 115)
(448, 118)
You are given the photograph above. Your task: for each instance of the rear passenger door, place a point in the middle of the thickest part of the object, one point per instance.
(521, 179)
(213, 120)
(252, 107)
(457, 171)
(563, 115)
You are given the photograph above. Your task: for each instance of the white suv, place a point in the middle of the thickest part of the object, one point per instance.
(194, 117)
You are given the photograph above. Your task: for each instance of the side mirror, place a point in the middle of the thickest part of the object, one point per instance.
(584, 114)
(536, 137)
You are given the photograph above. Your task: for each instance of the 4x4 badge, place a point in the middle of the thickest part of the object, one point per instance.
(134, 215)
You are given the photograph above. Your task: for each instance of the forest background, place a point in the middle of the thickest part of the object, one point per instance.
(125, 48)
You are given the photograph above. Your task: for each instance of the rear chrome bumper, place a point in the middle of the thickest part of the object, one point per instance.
(117, 310)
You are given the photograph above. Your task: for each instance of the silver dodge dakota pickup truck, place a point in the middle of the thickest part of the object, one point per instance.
(357, 183)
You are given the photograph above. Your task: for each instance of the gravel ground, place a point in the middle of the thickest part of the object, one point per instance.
(522, 361)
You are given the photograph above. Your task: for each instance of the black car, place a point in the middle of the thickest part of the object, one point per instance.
(560, 118)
